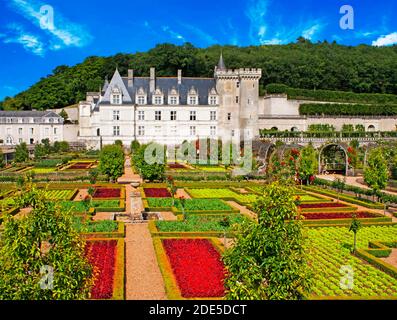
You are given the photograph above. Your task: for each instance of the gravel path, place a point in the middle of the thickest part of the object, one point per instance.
(143, 277)
(392, 259)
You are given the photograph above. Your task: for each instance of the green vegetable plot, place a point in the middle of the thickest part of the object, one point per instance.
(331, 260)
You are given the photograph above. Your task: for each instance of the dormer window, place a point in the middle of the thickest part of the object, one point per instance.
(116, 96)
(141, 100)
(141, 97)
(173, 100)
(213, 100)
(192, 97)
(158, 97)
(213, 97)
(173, 97)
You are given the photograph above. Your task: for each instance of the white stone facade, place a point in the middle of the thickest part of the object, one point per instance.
(30, 127)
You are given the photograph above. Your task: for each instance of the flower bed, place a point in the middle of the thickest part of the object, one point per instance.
(104, 226)
(176, 166)
(102, 255)
(157, 193)
(80, 166)
(197, 267)
(103, 193)
(322, 205)
(338, 215)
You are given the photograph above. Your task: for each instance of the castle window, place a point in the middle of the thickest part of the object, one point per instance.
(141, 100)
(233, 133)
(173, 100)
(20, 131)
(213, 116)
(192, 101)
(158, 100)
(229, 116)
(116, 131)
(141, 131)
(192, 131)
(116, 98)
(193, 116)
(238, 84)
(141, 115)
(213, 100)
(213, 131)
(157, 115)
(116, 115)
(237, 100)
(173, 115)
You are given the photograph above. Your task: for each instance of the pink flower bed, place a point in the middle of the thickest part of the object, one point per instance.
(337, 215)
(176, 166)
(102, 255)
(80, 166)
(197, 267)
(106, 193)
(157, 193)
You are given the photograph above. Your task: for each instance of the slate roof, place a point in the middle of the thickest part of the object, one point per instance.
(203, 86)
(29, 114)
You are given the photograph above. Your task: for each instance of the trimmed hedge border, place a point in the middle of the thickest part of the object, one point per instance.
(171, 285)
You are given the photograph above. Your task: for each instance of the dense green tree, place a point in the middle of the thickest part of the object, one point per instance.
(64, 114)
(376, 172)
(149, 171)
(39, 151)
(268, 260)
(41, 255)
(21, 153)
(112, 161)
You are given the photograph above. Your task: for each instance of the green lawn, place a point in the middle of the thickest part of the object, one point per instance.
(331, 251)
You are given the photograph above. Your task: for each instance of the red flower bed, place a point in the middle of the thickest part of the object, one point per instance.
(176, 166)
(80, 166)
(197, 266)
(337, 215)
(102, 255)
(157, 193)
(322, 205)
(107, 193)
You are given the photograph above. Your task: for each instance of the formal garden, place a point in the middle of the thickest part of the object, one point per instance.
(282, 234)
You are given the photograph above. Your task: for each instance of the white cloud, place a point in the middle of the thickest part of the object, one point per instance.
(30, 42)
(256, 13)
(310, 32)
(386, 40)
(62, 34)
(173, 34)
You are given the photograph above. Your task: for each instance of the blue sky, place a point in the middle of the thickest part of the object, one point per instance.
(31, 46)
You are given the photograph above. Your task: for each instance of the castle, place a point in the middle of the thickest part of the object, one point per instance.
(172, 110)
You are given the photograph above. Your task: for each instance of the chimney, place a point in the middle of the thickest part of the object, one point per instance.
(179, 76)
(152, 79)
(130, 78)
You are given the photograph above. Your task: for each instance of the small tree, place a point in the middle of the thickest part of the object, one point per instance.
(64, 115)
(43, 242)
(307, 165)
(112, 161)
(134, 146)
(119, 143)
(376, 173)
(268, 260)
(39, 151)
(173, 189)
(355, 227)
(46, 145)
(21, 153)
(64, 146)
